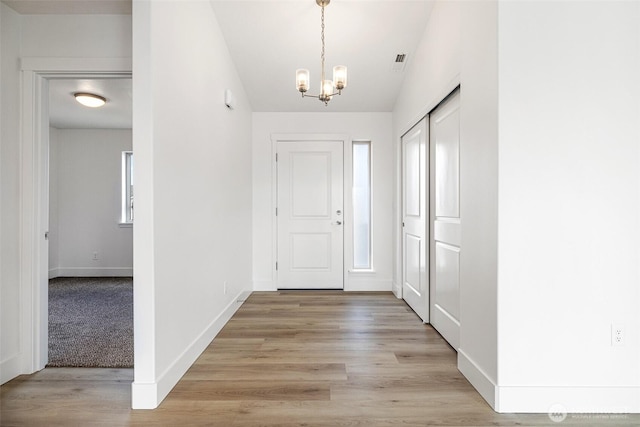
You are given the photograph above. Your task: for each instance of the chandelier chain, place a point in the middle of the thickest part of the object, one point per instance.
(322, 39)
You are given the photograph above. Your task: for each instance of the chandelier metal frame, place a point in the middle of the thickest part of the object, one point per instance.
(327, 87)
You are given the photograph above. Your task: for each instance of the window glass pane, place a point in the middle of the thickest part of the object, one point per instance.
(130, 186)
(362, 205)
(127, 187)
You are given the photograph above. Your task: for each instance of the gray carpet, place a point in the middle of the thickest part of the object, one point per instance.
(91, 322)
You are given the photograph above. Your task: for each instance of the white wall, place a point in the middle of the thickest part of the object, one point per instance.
(10, 357)
(374, 127)
(459, 46)
(193, 190)
(550, 195)
(477, 357)
(77, 37)
(569, 234)
(85, 203)
(434, 68)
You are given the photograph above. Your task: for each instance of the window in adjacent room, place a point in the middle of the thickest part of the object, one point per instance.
(362, 205)
(127, 187)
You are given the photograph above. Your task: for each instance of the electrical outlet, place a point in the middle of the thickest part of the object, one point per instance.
(95, 256)
(225, 287)
(617, 335)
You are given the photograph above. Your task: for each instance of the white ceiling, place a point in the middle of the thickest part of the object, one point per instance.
(66, 113)
(268, 40)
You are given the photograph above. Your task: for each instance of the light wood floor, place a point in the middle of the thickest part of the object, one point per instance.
(309, 358)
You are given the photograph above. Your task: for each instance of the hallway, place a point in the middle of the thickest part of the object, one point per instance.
(313, 358)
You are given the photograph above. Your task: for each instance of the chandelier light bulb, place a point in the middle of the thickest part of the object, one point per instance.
(327, 89)
(302, 80)
(340, 76)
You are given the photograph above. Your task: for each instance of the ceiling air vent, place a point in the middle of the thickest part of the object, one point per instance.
(399, 63)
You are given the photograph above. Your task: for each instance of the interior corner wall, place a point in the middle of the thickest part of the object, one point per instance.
(459, 47)
(374, 127)
(569, 233)
(85, 204)
(192, 254)
(10, 349)
(477, 356)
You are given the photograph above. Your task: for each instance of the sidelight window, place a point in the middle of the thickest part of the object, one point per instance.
(362, 205)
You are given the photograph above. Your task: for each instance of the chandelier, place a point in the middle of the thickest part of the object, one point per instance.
(327, 87)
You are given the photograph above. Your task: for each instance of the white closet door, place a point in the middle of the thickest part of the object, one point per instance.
(415, 214)
(445, 220)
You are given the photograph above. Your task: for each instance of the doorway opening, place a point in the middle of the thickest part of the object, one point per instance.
(310, 210)
(90, 246)
(34, 264)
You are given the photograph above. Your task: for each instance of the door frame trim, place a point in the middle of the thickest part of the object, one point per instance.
(34, 191)
(347, 240)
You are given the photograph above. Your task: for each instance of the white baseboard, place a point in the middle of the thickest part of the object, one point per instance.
(546, 400)
(478, 378)
(10, 368)
(144, 395)
(149, 395)
(265, 285)
(397, 290)
(91, 272)
(242, 297)
(572, 400)
(353, 285)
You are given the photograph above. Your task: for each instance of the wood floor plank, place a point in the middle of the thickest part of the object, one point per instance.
(267, 372)
(289, 358)
(427, 356)
(181, 412)
(245, 390)
(84, 374)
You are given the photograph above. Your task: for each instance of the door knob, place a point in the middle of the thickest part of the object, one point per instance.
(338, 223)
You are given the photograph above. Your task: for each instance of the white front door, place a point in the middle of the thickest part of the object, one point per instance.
(415, 284)
(310, 215)
(445, 219)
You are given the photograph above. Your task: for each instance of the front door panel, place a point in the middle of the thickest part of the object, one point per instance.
(310, 205)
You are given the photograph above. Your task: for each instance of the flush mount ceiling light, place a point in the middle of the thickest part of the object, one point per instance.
(327, 87)
(90, 99)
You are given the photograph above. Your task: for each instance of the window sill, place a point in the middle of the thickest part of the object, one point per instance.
(125, 225)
